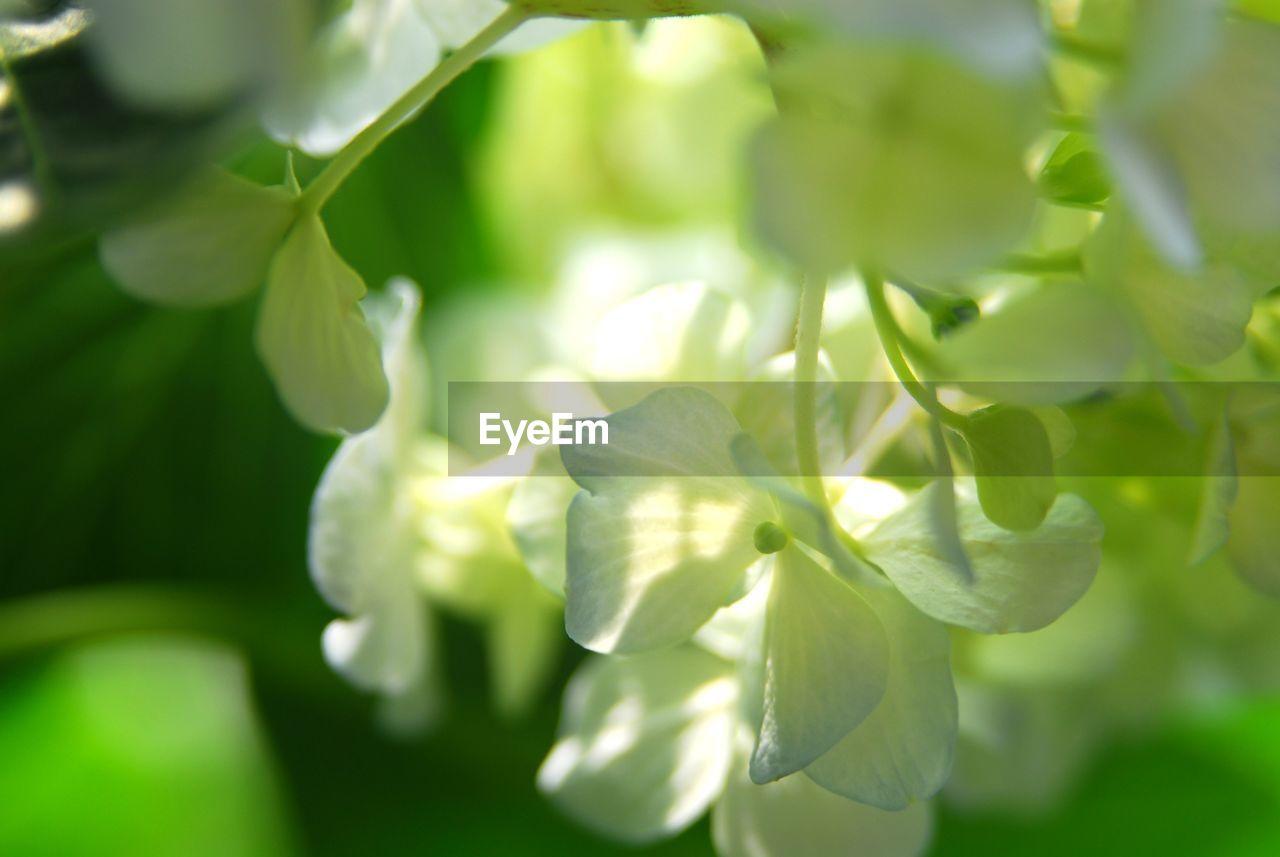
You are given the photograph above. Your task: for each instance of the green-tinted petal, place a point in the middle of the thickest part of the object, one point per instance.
(1022, 581)
(1148, 180)
(1254, 543)
(537, 520)
(1053, 343)
(645, 743)
(911, 164)
(184, 55)
(795, 817)
(1224, 131)
(827, 659)
(210, 244)
(1013, 466)
(525, 633)
(1218, 495)
(1194, 317)
(314, 339)
(902, 752)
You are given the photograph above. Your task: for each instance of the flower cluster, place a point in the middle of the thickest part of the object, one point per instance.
(811, 609)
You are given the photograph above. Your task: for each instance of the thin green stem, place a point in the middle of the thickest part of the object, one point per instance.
(40, 166)
(1090, 53)
(1063, 121)
(813, 294)
(1066, 262)
(364, 143)
(890, 341)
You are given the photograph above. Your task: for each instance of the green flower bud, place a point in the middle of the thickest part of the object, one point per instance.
(770, 538)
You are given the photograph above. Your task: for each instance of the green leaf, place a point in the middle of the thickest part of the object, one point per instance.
(1013, 465)
(1074, 173)
(209, 244)
(906, 162)
(312, 336)
(826, 664)
(795, 816)
(1254, 543)
(1022, 581)
(645, 743)
(901, 754)
(650, 558)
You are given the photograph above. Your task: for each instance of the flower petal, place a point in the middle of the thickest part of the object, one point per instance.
(911, 163)
(826, 665)
(313, 337)
(645, 743)
(902, 752)
(651, 557)
(1021, 581)
(210, 244)
(795, 816)
(359, 65)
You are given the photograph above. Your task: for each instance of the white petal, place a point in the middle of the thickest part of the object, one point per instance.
(359, 65)
(1022, 581)
(796, 817)
(902, 752)
(826, 666)
(663, 535)
(645, 743)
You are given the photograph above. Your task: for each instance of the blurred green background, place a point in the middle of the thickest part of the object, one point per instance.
(162, 690)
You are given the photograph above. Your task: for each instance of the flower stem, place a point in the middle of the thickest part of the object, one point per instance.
(890, 341)
(1065, 262)
(405, 107)
(813, 294)
(1090, 53)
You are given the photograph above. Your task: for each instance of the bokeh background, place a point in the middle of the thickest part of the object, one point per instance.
(162, 690)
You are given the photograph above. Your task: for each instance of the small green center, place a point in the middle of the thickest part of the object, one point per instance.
(770, 538)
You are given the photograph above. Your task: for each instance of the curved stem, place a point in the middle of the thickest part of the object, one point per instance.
(813, 294)
(890, 335)
(364, 143)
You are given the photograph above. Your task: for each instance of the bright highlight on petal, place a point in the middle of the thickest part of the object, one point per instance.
(645, 743)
